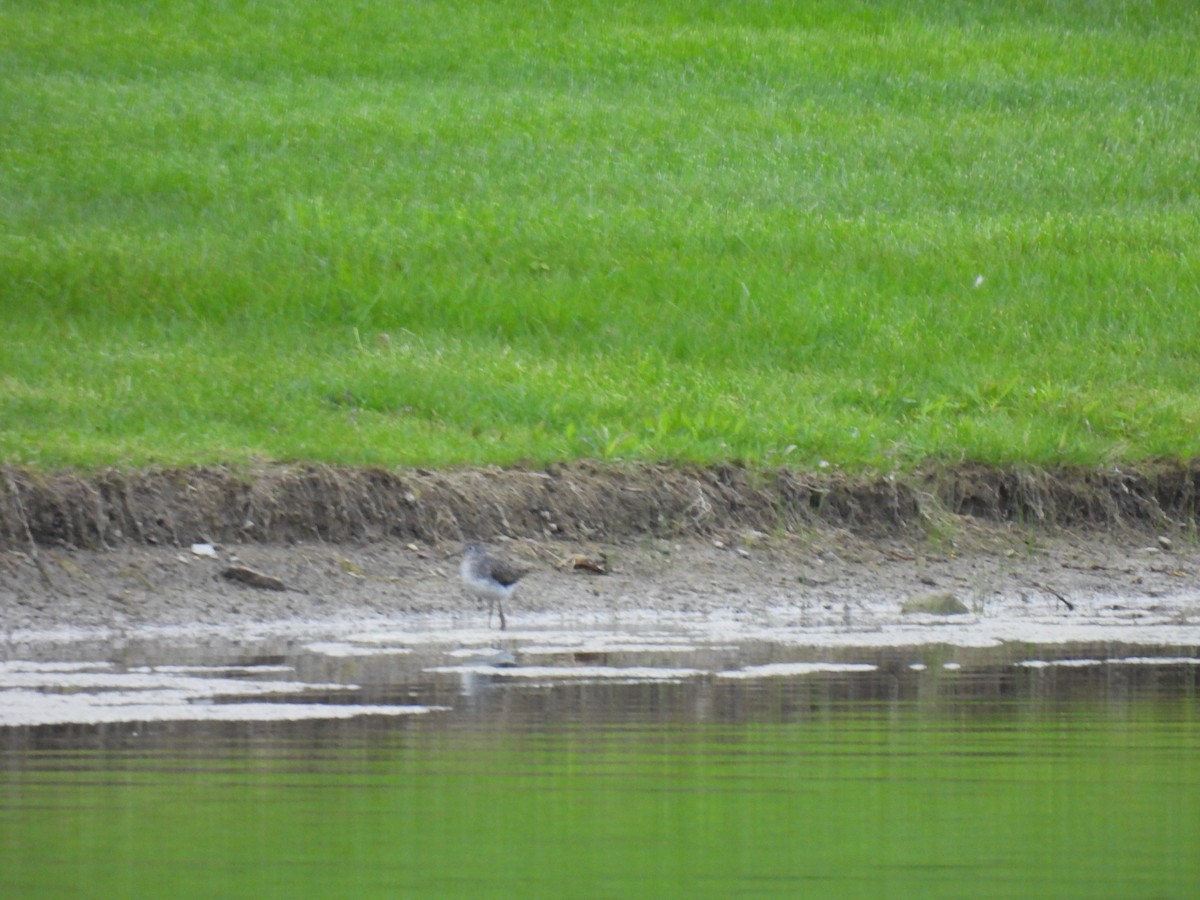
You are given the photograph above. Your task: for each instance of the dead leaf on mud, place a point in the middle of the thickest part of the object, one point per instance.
(254, 579)
(579, 562)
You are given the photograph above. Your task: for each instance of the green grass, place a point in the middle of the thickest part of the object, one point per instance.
(647, 230)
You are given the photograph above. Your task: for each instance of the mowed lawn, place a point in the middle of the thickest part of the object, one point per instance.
(858, 234)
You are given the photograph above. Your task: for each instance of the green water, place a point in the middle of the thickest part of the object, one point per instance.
(1023, 784)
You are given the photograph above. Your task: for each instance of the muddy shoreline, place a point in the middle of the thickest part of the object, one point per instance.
(822, 579)
(113, 550)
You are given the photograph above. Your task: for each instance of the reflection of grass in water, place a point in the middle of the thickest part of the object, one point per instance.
(694, 231)
(875, 800)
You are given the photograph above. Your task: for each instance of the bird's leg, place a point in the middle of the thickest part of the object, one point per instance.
(500, 606)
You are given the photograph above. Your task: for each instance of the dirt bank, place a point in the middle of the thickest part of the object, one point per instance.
(581, 501)
(114, 549)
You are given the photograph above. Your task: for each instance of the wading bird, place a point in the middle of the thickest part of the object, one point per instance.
(489, 578)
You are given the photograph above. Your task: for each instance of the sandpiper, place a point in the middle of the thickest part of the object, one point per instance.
(489, 578)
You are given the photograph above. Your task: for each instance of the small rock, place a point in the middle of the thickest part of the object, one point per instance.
(1164, 542)
(206, 550)
(938, 603)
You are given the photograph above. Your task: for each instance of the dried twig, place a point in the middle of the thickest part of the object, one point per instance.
(1049, 590)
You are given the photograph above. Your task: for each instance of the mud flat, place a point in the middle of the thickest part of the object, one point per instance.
(827, 584)
(1020, 553)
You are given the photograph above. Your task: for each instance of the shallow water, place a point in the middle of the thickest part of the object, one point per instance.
(598, 764)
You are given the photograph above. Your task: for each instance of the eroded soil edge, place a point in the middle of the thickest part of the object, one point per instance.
(580, 501)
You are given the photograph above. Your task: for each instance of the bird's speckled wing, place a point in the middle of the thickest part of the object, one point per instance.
(505, 572)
